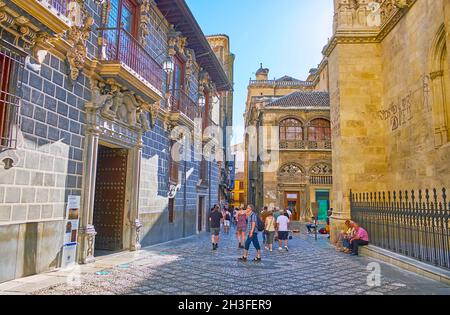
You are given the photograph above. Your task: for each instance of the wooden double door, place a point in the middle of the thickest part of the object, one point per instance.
(110, 198)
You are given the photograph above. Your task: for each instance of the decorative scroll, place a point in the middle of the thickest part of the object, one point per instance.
(321, 169)
(77, 36)
(291, 170)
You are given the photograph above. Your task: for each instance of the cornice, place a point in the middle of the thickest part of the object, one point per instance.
(367, 36)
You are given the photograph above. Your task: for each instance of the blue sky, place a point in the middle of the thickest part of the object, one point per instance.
(287, 36)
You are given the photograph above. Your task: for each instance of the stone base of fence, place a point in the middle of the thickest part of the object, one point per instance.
(407, 263)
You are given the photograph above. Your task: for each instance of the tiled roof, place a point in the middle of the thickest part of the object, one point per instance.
(303, 99)
(287, 78)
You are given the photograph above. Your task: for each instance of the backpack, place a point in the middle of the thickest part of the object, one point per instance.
(260, 224)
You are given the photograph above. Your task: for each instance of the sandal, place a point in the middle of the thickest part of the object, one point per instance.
(257, 259)
(242, 259)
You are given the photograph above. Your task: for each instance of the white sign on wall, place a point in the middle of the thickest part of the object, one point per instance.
(71, 231)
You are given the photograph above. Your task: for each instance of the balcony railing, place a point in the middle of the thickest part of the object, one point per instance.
(182, 103)
(119, 46)
(281, 83)
(321, 180)
(305, 145)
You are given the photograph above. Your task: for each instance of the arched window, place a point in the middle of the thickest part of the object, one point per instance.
(319, 130)
(291, 129)
(440, 80)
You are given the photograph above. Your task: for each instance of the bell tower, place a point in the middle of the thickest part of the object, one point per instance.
(262, 74)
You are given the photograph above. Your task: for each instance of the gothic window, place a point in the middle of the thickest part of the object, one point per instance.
(319, 130)
(440, 82)
(11, 68)
(291, 129)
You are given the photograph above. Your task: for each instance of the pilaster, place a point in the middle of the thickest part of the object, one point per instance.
(87, 230)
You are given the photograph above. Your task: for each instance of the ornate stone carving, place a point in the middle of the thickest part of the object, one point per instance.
(77, 36)
(368, 14)
(176, 42)
(9, 158)
(321, 169)
(116, 103)
(291, 170)
(144, 29)
(137, 225)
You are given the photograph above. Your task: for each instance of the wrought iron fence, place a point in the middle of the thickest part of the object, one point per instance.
(411, 223)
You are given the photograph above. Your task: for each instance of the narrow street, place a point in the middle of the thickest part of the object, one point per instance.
(189, 266)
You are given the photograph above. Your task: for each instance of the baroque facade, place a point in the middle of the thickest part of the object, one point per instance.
(388, 68)
(94, 96)
(288, 162)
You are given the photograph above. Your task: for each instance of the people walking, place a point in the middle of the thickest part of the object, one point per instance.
(252, 234)
(215, 218)
(283, 231)
(263, 217)
(227, 221)
(270, 224)
(241, 218)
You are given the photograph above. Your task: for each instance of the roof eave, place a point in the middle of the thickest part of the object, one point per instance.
(196, 41)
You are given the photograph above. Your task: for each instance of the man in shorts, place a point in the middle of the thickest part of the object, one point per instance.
(227, 221)
(215, 217)
(283, 231)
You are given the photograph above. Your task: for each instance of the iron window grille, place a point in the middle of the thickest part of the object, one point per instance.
(12, 61)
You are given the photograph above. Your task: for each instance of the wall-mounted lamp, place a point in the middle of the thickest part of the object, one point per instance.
(201, 101)
(168, 65)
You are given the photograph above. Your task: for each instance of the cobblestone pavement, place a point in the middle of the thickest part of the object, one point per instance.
(189, 266)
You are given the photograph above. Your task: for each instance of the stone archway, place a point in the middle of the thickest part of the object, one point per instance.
(440, 82)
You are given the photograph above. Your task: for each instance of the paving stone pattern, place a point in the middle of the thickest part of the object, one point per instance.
(190, 267)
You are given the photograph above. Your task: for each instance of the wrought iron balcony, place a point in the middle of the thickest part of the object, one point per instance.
(181, 103)
(305, 145)
(121, 51)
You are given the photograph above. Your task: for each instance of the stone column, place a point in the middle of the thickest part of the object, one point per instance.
(135, 223)
(86, 229)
